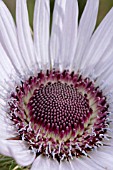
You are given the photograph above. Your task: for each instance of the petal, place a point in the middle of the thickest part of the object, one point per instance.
(44, 163)
(99, 43)
(8, 38)
(3, 148)
(18, 151)
(65, 166)
(85, 30)
(6, 67)
(104, 78)
(84, 163)
(103, 159)
(24, 33)
(105, 62)
(41, 31)
(64, 33)
(107, 149)
(108, 143)
(39, 163)
(6, 128)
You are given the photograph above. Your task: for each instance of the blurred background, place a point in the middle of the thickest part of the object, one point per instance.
(105, 5)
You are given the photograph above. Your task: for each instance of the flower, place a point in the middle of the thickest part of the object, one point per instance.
(56, 90)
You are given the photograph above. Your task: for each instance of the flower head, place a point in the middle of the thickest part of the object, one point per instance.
(56, 88)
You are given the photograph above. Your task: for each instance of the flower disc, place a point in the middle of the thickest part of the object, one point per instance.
(60, 115)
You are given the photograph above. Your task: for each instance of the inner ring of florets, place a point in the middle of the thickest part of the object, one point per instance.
(60, 115)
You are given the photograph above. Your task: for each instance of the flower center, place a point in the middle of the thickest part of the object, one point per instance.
(59, 109)
(60, 115)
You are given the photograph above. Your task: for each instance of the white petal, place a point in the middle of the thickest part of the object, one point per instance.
(7, 130)
(44, 163)
(8, 38)
(53, 164)
(64, 33)
(18, 151)
(3, 148)
(85, 30)
(41, 31)
(84, 163)
(6, 67)
(109, 143)
(103, 159)
(24, 33)
(107, 149)
(105, 62)
(99, 43)
(40, 163)
(65, 166)
(8, 73)
(105, 79)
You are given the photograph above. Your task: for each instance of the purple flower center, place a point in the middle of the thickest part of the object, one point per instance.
(60, 115)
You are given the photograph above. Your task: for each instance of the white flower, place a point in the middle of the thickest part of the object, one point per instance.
(49, 115)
